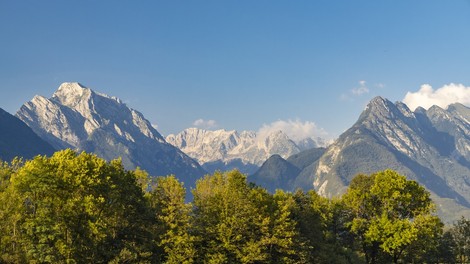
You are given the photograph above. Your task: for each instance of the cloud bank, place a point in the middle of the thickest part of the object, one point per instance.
(296, 130)
(205, 124)
(426, 96)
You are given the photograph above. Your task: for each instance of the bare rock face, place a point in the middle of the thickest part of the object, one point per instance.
(224, 150)
(79, 118)
(430, 146)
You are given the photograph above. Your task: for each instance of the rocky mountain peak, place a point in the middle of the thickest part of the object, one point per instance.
(275, 135)
(460, 110)
(378, 103)
(275, 173)
(71, 93)
(381, 111)
(228, 147)
(420, 110)
(436, 112)
(71, 87)
(272, 142)
(379, 108)
(77, 117)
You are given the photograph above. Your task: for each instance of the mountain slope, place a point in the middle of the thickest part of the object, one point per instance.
(225, 150)
(275, 173)
(79, 118)
(427, 146)
(18, 140)
(431, 147)
(305, 158)
(279, 173)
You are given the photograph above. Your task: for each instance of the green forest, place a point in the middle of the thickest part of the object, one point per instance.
(78, 208)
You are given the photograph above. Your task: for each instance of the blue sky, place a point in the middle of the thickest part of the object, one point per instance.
(241, 64)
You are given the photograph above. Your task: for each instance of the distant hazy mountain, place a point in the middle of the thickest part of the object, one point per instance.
(77, 117)
(18, 140)
(225, 150)
(431, 147)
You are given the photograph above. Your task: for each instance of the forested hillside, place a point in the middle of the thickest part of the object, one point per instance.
(78, 208)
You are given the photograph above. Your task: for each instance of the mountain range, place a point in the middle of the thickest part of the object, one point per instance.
(430, 146)
(79, 118)
(225, 150)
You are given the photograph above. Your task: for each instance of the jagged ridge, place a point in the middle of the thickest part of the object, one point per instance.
(224, 150)
(79, 118)
(431, 147)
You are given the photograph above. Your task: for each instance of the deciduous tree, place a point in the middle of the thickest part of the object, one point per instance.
(172, 221)
(77, 208)
(390, 213)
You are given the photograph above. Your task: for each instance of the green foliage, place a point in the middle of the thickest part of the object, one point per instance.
(225, 219)
(429, 245)
(460, 234)
(78, 208)
(239, 223)
(390, 215)
(281, 235)
(173, 221)
(10, 251)
(74, 208)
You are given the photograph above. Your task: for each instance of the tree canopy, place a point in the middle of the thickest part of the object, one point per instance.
(78, 208)
(389, 214)
(72, 208)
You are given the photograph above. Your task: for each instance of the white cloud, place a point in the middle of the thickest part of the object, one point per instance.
(426, 96)
(205, 124)
(362, 89)
(296, 130)
(350, 95)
